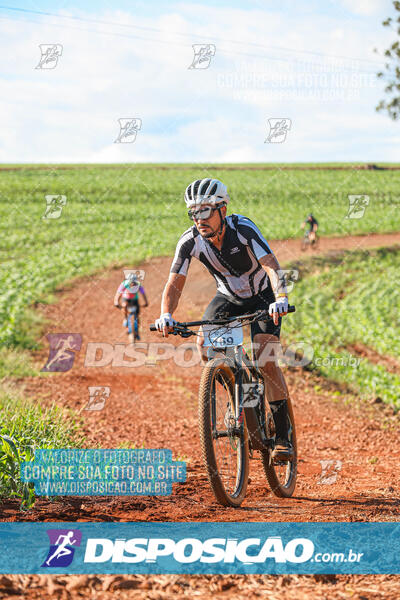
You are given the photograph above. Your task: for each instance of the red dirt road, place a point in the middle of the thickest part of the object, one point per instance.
(156, 406)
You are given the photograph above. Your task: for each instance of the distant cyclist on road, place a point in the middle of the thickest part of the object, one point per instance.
(129, 291)
(248, 278)
(312, 223)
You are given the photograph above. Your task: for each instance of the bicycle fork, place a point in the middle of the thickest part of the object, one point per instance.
(239, 409)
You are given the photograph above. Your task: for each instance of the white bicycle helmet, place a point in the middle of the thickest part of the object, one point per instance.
(206, 191)
(131, 279)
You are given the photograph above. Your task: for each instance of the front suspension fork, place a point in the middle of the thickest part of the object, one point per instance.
(239, 410)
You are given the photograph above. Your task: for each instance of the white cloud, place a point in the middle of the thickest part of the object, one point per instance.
(70, 113)
(369, 7)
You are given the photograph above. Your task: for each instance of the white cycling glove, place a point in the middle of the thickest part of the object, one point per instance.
(165, 320)
(280, 306)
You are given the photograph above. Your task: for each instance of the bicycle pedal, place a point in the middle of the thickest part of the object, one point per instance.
(279, 460)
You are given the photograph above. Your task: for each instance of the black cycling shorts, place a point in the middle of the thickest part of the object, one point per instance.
(220, 307)
(133, 302)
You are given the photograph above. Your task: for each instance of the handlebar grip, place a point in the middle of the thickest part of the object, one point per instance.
(291, 309)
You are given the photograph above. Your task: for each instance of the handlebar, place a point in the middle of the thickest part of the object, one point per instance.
(261, 314)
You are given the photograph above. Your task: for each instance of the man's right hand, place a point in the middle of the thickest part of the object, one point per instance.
(164, 322)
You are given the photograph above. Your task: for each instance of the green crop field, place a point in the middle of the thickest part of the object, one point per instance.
(341, 301)
(121, 213)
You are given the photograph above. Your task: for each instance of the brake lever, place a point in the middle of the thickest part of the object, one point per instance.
(182, 331)
(187, 334)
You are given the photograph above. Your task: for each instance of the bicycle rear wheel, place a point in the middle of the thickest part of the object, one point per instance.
(135, 327)
(225, 446)
(281, 475)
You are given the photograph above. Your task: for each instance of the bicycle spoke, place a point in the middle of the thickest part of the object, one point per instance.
(227, 443)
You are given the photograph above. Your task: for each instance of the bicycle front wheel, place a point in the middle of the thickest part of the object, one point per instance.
(224, 443)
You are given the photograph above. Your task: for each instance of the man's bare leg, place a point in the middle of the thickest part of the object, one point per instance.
(200, 346)
(268, 350)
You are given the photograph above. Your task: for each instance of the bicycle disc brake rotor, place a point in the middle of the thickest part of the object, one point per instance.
(229, 422)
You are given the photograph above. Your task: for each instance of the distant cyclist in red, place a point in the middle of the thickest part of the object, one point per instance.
(129, 290)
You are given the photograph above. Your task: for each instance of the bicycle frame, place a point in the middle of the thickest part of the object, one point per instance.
(307, 237)
(256, 424)
(255, 415)
(228, 410)
(132, 314)
(255, 421)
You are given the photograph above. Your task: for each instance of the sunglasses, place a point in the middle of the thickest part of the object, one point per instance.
(202, 213)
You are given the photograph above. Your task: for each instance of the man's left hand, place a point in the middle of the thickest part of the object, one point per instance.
(279, 308)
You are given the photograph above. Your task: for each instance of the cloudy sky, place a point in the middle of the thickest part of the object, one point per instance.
(305, 60)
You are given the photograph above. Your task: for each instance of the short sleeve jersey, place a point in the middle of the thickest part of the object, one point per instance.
(236, 267)
(311, 222)
(130, 293)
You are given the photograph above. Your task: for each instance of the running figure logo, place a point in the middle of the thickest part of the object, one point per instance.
(357, 206)
(203, 54)
(50, 54)
(288, 277)
(62, 351)
(278, 129)
(329, 471)
(252, 394)
(54, 206)
(61, 552)
(97, 397)
(128, 129)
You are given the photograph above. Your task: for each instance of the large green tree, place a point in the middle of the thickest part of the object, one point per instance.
(391, 73)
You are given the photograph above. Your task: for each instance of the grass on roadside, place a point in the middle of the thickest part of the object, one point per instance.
(26, 426)
(340, 300)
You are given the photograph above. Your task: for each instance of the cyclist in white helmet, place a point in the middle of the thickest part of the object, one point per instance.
(129, 291)
(248, 278)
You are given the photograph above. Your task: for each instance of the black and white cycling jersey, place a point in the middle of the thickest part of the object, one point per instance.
(236, 267)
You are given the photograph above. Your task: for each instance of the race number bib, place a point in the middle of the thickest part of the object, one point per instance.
(228, 335)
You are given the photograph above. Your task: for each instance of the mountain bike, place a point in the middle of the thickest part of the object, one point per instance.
(234, 416)
(306, 242)
(131, 322)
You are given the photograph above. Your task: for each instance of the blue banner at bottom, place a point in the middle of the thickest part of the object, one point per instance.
(212, 548)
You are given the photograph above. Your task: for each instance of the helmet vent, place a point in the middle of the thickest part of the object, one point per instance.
(204, 186)
(213, 189)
